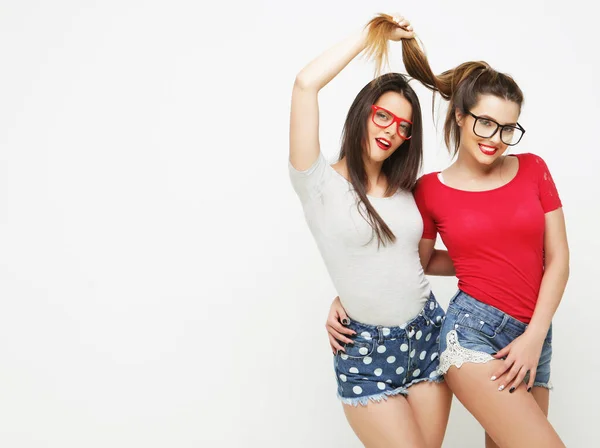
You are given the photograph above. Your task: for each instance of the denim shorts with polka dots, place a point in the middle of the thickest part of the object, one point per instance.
(385, 361)
(473, 330)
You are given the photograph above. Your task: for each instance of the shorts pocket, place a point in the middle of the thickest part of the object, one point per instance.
(472, 322)
(360, 349)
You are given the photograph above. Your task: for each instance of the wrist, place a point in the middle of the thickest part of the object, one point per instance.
(537, 331)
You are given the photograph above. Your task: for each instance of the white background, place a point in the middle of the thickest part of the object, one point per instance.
(158, 284)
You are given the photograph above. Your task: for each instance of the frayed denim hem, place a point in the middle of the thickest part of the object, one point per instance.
(376, 398)
(383, 396)
(547, 385)
(437, 380)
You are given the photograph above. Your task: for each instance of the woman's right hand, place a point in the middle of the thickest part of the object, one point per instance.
(335, 329)
(404, 30)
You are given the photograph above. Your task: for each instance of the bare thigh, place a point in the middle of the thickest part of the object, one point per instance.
(387, 424)
(512, 420)
(430, 403)
(541, 395)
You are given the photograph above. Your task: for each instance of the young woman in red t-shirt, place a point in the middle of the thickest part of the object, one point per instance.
(501, 219)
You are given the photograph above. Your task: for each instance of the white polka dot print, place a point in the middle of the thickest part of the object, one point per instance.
(357, 390)
(381, 386)
(400, 370)
(378, 372)
(412, 353)
(416, 373)
(434, 374)
(419, 334)
(435, 355)
(381, 349)
(437, 319)
(366, 335)
(344, 356)
(428, 337)
(343, 378)
(403, 347)
(363, 351)
(353, 370)
(386, 331)
(388, 381)
(368, 360)
(422, 355)
(391, 359)
(431, 306)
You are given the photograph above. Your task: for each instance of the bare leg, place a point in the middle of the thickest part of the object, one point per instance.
(511, 420)
(541, 396)
(387, 424)
(430, 403)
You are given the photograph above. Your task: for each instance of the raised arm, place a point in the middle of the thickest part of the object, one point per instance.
(304, 120)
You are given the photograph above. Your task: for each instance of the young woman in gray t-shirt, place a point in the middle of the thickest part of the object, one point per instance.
(364, 219)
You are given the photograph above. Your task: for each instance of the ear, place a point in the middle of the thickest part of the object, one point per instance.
(460, 117)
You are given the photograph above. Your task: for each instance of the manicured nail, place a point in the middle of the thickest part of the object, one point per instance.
(512, 389)
(501, 388)
(529, 389)
(494, 354)
(493, 378)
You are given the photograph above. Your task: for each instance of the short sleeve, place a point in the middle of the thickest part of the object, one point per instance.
(308, 184)
(429, 226)
(548, 193)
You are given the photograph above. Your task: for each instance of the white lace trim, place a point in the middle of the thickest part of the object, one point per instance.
(456, 355)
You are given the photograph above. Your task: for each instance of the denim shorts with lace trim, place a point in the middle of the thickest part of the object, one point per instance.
(386, 361)
(472, 331)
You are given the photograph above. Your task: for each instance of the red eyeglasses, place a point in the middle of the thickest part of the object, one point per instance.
(383, 118)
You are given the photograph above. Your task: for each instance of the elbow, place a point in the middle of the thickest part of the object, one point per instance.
(304, 83)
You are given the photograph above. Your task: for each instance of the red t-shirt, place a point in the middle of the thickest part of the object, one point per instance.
(495, 238)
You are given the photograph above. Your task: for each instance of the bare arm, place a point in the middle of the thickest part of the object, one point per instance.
(304, 120)
(523, 353)
(556, 273)
(434, 261)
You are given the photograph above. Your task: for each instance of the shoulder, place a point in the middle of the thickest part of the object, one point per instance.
(427, 179)
(529, 158)
(531, 163)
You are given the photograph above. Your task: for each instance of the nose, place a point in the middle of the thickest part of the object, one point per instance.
(496, 138)
(390, 130)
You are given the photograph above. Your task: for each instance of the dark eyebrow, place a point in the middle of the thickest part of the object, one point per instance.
(496, 121)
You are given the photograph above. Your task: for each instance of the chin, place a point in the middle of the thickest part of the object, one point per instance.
(485, 159)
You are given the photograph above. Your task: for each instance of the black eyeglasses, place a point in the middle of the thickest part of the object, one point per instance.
(486, 128)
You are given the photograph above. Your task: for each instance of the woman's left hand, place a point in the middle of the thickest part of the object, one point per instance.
(520, 356)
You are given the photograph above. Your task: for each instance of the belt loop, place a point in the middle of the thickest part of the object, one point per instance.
(380, 335)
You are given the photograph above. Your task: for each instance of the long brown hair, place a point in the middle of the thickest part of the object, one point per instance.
(401, 168)
(461, 86)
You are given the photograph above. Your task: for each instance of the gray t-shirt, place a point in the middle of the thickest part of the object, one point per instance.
(377, 286)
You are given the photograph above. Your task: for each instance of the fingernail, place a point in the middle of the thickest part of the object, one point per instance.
(501, 388)
(493, 378)
(494, 354)
(512, 389)
(529, 389)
